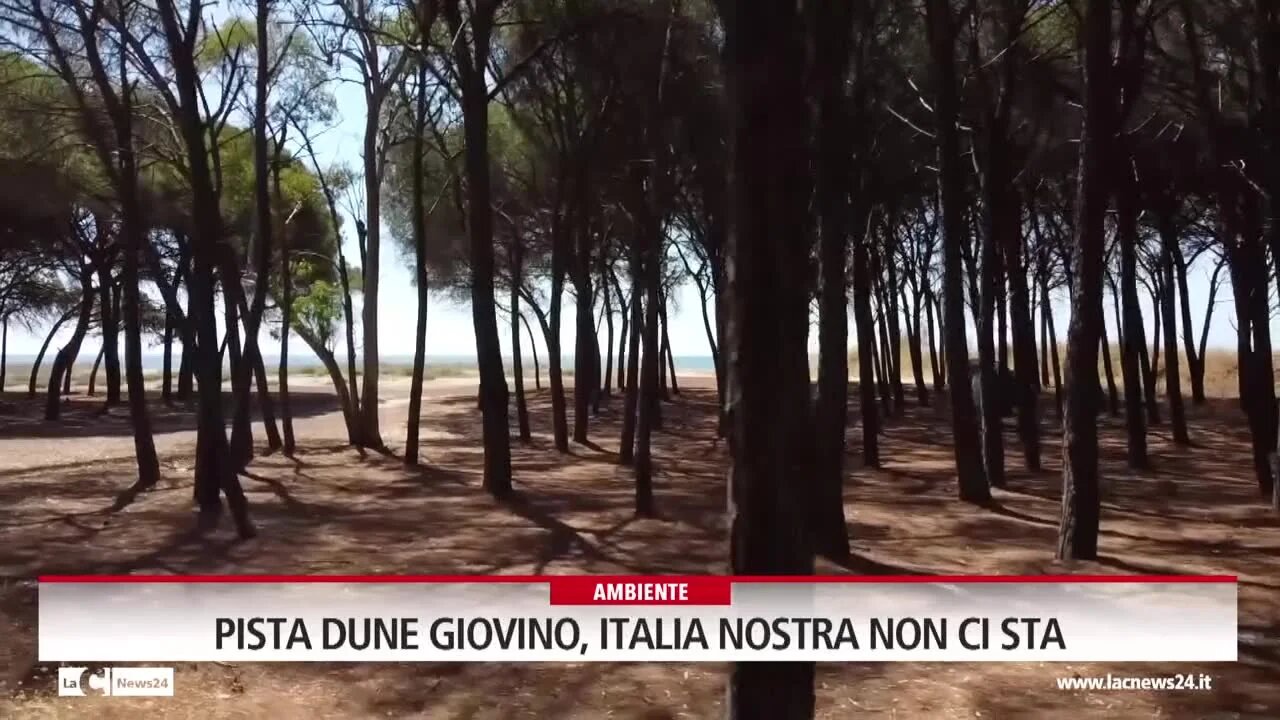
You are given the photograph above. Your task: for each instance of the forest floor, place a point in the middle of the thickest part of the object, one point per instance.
(333, 510)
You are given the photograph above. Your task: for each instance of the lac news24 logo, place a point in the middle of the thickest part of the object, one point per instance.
(119, 682)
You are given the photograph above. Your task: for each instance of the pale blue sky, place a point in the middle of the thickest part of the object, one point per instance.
(449, 327)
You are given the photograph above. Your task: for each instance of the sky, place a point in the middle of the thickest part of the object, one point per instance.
(449, 325)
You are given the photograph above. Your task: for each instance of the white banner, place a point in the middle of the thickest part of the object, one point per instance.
(657, 619)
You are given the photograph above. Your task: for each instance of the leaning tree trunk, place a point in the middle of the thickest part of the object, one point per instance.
(44, 347)
(533, 347)
(93, 373)
(1024, 339)
(767, 321)
(63, 361)
(1081, 499)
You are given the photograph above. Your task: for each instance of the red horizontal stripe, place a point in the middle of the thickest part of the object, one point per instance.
(865, 579)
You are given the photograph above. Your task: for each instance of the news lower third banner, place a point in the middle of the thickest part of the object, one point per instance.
(648, 619)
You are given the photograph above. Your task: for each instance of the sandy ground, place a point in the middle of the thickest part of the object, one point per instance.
(332, 510)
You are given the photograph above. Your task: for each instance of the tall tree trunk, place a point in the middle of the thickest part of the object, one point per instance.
(973, 485)
(831, 36)
(1055, 360)
(631, 401)
(864, 325)
(934, 365)
(584, 386)
(1024, 337)
(493, 383)
(651, 235)
(241, 423)
(517, 359)
(1172, 373)
(109, 304)
(166, 372)
(624, 309)
(767, 318)
(555, 375)
(1133, 339)
(607, 389)
(1045, 348)
(4, 349)
(1081, 499)
(132, 234)
(666, 348)
(916, 350)
(421, 279)
(1153, 366)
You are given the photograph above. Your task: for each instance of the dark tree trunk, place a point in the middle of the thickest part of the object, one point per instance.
(666, 348)
(624, 309)
(1024, 338)
(286, 323)
(831, 37)
(934, 365)
(973, 485)
(44, 347)
(1172, 374)
(63, 361)
(864, 324)
(241, 423)
(93, 374)
(1132, 335)
(4, 350)
(533, 347)
(517, 360)
(1153, 366)
(1195, 360)
(767, 318)
(1113, 395)
(890, 294)
(884, 366)
(630, 402)
(109, 306)
(1046, 348)
(555, 375)
(475, 106)
(421, 278)
(584, 353)
(1081, 499)
(607, 389)
(166, 381)
(653, 241)
(915, 349)
(1055, 360)
(132, 235)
